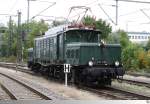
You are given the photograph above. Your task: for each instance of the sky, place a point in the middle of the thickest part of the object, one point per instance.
(131, 16)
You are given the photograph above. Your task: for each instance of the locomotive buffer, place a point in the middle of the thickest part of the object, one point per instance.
(66, 71)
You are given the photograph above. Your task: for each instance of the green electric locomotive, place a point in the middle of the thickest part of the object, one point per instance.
(91, 60)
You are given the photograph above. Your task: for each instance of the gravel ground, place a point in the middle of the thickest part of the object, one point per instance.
(68, 92)
(139, 78)
(139, 89)
(134, 88)
(20, 91)
(4, 95)
(76, 94)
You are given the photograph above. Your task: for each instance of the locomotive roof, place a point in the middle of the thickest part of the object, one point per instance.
(30, 49)
(60, 29)
(91, 44)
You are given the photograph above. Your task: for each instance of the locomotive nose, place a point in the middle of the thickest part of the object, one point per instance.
(96, 72)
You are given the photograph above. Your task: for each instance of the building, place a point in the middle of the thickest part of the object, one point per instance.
(139, 37)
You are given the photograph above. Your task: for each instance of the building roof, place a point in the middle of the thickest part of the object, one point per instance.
(143, 33)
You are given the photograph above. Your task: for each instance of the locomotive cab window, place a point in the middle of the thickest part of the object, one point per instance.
(77, 53)
(89, 36)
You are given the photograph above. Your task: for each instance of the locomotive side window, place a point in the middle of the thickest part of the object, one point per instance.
(72, 53)
(38, 49)
(77, 53)
(68, 53)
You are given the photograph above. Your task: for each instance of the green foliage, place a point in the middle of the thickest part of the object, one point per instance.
(119, 37)
(104, 27)
(8, 59)
(134, 57)
(35, 29)
(100, 24)
(88, 20)
(148, 45)
(129, 57)
(113, 38)
(57, 23)
(124, 40)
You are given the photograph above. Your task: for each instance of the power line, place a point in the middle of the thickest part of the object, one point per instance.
(145, 14)
(145, 2)
(8, 14)
(53, 3)
(13, 6)
(134, 1)
(106, 14)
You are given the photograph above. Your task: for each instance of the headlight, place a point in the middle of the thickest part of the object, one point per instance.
(90, 63)
(117, 63)
(102, 41)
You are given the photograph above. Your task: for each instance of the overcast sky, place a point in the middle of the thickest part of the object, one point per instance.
(130, 16)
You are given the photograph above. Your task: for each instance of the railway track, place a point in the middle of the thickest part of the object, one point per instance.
(21, 68)
(139, 83)
(113, 93)
(18, 90)
(138, 74)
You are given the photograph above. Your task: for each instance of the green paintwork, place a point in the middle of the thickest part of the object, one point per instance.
(45, 50)
(76, 46)
(110, 54)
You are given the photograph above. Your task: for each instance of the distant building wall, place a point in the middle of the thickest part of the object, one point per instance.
(139, 37)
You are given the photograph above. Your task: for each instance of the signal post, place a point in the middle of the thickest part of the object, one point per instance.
(66, 71)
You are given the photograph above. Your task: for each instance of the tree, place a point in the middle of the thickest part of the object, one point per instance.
(148, 45)
(57, 23)
(119, 37)
(88, 20)
(114, 38)
(35, 29)
(100, 24)
(104, 27)
(129, 57)
(124, 40)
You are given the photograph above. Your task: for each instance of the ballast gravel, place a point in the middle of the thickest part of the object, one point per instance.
(69, 92)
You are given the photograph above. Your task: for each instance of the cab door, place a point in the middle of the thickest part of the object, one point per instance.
(60, 47)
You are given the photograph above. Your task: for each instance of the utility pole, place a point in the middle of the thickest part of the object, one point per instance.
(10, 37)
(28, 15)
(19, 40)
(116, 12)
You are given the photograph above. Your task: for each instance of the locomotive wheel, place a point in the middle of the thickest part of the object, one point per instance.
(104, 82)
(50, 72)
(35, 68)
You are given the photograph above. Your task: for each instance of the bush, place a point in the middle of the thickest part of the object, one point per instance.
(8, 59)
(129, 58)
(11, 59)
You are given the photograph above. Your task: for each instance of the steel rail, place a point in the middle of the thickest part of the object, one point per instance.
(130, 93)
(116, 93)
(139, 83)
(101, 91)
(25, 85)
(11, 95)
